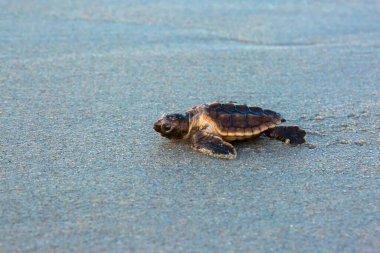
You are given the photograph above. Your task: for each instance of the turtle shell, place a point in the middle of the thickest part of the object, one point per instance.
(238, 122)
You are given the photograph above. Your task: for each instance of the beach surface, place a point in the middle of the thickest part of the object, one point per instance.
(82, 82)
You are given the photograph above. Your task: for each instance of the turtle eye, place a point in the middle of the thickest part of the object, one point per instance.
(166, 127)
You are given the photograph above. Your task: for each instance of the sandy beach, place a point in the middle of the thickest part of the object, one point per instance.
(82, 82)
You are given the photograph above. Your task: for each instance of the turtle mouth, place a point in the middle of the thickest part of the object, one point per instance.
(157, 126)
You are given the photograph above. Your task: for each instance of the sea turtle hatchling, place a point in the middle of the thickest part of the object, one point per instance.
(211, 127)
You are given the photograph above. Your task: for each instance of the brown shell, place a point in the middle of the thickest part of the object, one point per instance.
(237, 122)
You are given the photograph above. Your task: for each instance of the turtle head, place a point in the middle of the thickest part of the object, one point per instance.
(172, 126)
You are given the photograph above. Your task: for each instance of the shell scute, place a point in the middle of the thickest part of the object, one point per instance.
(256, 110)
(242, 108)
(231, 131)
(253, 120)
(248, 131)
(256, 130)
(241, 121)
(214, 106)
(224, 119)
(264, 118)
(240, 131)
(229, 108)
(271, 113)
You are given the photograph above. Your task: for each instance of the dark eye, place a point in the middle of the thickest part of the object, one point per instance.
(166, 127)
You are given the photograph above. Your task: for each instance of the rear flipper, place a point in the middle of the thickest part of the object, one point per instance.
(288, 134)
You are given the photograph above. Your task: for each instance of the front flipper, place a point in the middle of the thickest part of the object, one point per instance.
(288, 134)
(212, 145)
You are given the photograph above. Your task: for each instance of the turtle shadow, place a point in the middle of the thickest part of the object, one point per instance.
(258, 141)
(178, 149)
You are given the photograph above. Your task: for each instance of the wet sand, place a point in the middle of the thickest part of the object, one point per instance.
(82, 169)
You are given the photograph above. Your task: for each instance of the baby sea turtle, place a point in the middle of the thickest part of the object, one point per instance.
(210, 128)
